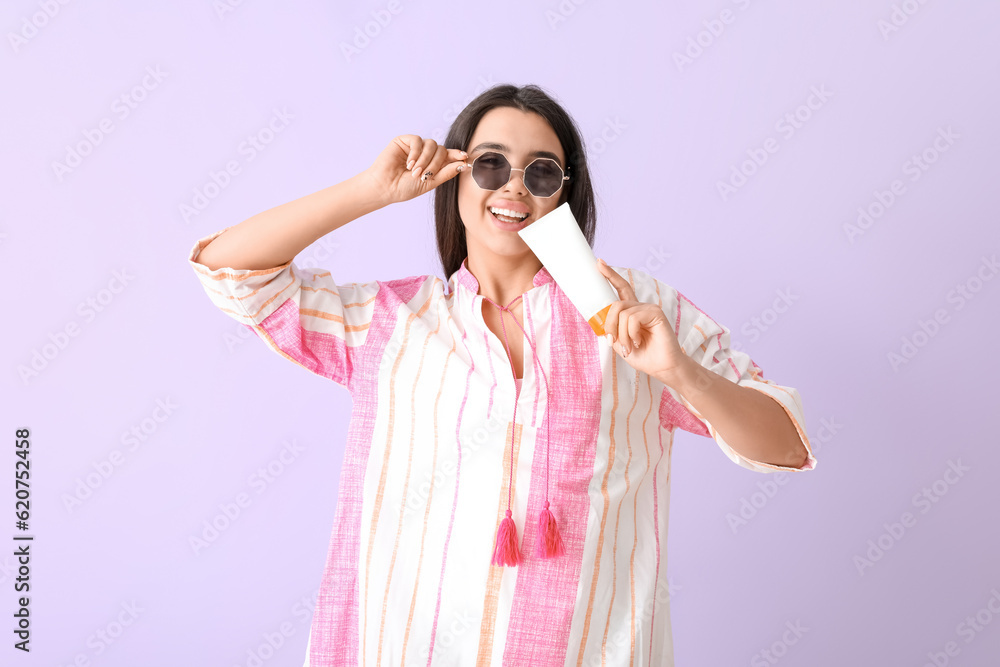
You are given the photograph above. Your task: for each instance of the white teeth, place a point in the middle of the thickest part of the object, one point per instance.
(508, 213)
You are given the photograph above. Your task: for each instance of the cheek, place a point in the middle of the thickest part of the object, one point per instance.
(470, 205)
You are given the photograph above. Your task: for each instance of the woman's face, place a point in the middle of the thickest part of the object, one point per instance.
(518, 135)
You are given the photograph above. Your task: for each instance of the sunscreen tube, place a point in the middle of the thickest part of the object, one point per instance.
(559, 243)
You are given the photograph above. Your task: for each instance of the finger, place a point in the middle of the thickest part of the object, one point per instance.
(623, 336)
(438, 163)
(447, 172)
(427, 152)
(607, 272)
(623, 286)
(635, 314)
(620, 284)
(414, 145)
(611, 320)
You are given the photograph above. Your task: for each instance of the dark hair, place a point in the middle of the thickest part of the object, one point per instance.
(578, 190)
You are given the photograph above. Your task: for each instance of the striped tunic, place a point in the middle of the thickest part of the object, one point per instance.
(425, 475)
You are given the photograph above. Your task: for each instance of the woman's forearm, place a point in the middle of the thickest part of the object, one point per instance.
(751, 422)
(277, 235)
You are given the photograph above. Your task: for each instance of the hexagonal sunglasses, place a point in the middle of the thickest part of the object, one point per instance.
(543, 177)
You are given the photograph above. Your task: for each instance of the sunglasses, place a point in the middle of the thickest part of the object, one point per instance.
(543, 177)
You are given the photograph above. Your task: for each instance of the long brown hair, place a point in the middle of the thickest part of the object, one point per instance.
(578, 190)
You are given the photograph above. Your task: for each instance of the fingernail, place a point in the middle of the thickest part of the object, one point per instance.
(608, 337)
(635, 343)
(465, 154)
(409, 165)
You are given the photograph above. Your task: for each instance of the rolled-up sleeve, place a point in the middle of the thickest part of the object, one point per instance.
(707, 342)
(300, 313)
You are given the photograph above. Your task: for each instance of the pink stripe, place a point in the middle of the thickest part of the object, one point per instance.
(697, 308)
(545, 593)
(454, 502)
(334, 631)
(321, 353)
(673, 414)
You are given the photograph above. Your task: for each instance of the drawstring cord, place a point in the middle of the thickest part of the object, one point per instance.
(548, 543)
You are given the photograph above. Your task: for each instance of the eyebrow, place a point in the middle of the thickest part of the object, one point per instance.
(505, 149)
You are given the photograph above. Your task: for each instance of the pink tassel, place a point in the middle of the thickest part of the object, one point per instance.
(549, 543)
(506, 551)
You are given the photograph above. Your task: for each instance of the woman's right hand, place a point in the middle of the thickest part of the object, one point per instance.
(396, 172)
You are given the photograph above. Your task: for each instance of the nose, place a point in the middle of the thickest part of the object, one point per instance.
(519, 175)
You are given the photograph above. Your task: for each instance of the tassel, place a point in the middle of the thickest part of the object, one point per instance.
(506, 551)
(549, 543)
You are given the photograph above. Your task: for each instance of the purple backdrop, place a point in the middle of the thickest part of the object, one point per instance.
(816, 178)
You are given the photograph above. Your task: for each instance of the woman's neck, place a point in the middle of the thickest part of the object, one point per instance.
(502, 279)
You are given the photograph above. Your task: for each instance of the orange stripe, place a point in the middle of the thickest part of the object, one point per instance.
(305, 287)
(635, 514)
(492, 598)
(614, 551)
(628, 462)
(427, 507)
(406, 487)
(315, 313)
(291, 282)
(334, 318)
(703, 346)
(336, 293)
(380, 496)
(604, 514)
(233, 276)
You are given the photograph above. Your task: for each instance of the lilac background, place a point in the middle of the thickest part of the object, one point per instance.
(660, 137)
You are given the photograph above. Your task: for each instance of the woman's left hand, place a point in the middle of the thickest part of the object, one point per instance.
(641, 333)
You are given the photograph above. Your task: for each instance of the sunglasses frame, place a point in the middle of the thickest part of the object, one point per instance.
(565, 175)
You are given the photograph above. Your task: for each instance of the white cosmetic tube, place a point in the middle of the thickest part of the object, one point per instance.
(559, 243)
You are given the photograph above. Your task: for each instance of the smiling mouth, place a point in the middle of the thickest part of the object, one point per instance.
(510, 220)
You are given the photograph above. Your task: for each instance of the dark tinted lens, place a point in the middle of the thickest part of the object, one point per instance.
(543, 177)
(491, 171)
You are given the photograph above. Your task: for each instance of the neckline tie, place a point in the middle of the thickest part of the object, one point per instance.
(548, 543)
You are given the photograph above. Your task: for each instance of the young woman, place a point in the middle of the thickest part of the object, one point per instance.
(504, 493)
